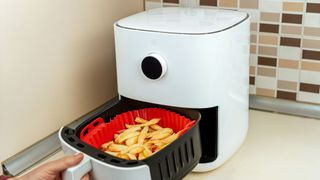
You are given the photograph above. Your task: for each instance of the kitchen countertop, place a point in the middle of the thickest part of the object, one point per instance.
(278, 147)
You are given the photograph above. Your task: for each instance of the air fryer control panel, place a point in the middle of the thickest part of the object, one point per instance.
(153, 66)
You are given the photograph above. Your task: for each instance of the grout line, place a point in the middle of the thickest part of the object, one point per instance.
(301, 47)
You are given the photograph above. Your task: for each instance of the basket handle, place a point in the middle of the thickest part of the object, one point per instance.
(78, 171)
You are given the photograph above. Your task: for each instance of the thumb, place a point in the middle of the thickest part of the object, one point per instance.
(64, 163)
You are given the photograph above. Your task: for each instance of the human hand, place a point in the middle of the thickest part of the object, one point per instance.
(52, 170)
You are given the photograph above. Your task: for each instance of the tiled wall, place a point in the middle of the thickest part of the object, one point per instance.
(285, 44)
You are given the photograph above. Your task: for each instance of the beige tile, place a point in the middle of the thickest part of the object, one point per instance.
(252, 70)
(273, 17)
(285, 63)
(287, 29)
(288, 85)
(228, 3)
(311, 66)
(170, 5)
(153, 0)
(254, 26)
(310, 43)
(265, 92)
(265, 39)
(293, 6)
(311, 31)
(253, 38)
(264, 50)
(253, 48)
(249, 4)
(271, 72)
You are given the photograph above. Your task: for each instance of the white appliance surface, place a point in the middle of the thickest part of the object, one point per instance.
(202, 71)
(183, 20)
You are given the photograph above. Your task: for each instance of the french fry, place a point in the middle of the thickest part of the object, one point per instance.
(112, 153)
(140, 120)
(132, 141)
(117, 147)
(124, 156)
(170, 139)
(149, 123)
(124, 151)
(161, 136)
(131, 156)
(161, 131)
(143, 135)
(126, 135)
(156, 127)
(155, 142)
(141, 156)
(131, 126)
(150, 130)
(136, 150)
(147, 152)
(160, 147)
(132, 129)
(106, 145)
(141, 140)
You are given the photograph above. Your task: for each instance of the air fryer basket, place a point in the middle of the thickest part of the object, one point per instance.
(173, 162)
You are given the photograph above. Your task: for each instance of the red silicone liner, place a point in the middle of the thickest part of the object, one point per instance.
(98, 132)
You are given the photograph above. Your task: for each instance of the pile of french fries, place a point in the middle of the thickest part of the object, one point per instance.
(139, 141)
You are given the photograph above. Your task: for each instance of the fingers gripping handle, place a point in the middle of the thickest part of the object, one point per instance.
(78, 171)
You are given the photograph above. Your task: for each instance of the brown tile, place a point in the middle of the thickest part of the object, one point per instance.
(249, 4)
(228, 3)
(253, 49)
(208, 2)
(271, 72)
(286, 95)
(273, 17)
(292, 18)
(285, 41)
(308, 54)
(253, 26)
(272, 28)
(285, 63)
(267, 61)
(313, 88)
(266, 50)
(252, 70)
(293, 6)
(253, 38)
(252, 80)
(311, 43)
(265, 92)
(310, 66)
(287, 29)
(313, 7)
(171, 1)
(287, 85)
(266, 39)
(311, 31)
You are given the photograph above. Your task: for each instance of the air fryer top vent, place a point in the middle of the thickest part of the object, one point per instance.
(183, 20)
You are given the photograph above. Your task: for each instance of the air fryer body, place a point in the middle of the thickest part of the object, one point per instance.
(207, 71)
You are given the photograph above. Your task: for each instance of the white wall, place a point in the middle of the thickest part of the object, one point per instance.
(56, 63)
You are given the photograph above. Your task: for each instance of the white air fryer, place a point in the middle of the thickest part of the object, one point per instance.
(187, 59)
